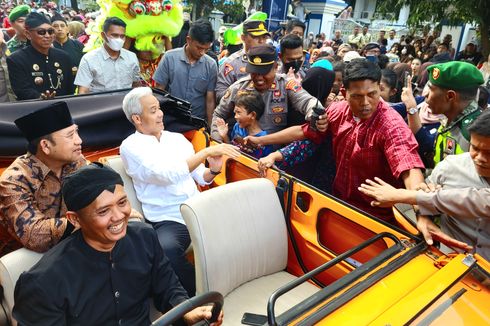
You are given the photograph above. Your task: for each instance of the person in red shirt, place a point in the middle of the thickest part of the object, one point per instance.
(369, 139)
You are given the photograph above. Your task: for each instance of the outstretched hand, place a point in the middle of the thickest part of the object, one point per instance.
(292, 75)
(252, 141)
(215, 162)
(223, 149)
(222, 127)
(265, 163)
(431, 232)
(322, 123)
(407, 94)
(384, 194)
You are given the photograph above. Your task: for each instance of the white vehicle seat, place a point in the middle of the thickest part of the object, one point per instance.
(116, 163)
(11, 266)
(239, 238)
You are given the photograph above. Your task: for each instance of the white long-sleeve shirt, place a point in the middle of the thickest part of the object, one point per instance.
(160, 173)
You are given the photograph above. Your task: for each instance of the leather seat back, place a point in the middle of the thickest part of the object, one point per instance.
(11, 266)
(238, 233)
(116, 163)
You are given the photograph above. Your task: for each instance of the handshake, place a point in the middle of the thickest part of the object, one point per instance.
(245, 144)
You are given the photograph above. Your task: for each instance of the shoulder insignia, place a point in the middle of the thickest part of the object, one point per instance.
(227, 94)
(242, 91)
(227, 69)
(292, 85)
(243, 69)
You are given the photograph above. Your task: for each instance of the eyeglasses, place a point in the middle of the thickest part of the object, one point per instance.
(43, 31)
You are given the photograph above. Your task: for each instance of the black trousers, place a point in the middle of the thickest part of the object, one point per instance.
(175, 239)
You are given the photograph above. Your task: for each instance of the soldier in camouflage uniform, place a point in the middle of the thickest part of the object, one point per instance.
(254, 33)
(17, 18)
(279, 93)
(452, 92)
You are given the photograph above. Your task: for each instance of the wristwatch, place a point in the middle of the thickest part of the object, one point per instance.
(412, 111)
(214, 172)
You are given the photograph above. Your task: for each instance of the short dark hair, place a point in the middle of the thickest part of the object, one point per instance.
(389, 77)
(383, 61)
(295, 23)
(252, 102)
(32, 145)
(339, 66)
(290, 42)
(112, 21)
(201, 31)
(361, 69)
(481, 125)
(444, 45)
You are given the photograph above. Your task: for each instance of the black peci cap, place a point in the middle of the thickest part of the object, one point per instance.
(45, 121)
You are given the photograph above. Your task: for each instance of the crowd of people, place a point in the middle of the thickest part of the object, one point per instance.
(371, 121)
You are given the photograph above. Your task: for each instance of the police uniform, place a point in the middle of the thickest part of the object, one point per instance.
(32, 73)
(282, 96)
(232, 70)
(234, 67)
(454, 137)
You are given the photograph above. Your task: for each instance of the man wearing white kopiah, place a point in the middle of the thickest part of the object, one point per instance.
(164, 168)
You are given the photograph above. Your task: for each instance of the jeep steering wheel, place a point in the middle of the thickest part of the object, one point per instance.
(190, 304)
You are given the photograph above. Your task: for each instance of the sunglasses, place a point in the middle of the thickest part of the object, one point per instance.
(43, 31)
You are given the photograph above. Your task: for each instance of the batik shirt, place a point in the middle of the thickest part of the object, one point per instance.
(32, 211)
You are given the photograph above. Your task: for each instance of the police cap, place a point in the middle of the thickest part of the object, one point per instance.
(261, 59)
(255, 28)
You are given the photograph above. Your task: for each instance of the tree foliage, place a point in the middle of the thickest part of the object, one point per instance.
(233, 10)
(451, 12)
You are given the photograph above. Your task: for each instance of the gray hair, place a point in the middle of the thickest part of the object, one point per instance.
(131, 104)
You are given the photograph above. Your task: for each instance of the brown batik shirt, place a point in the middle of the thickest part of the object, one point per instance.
(32, 212)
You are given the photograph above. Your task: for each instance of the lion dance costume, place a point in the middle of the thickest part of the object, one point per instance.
(148, 23)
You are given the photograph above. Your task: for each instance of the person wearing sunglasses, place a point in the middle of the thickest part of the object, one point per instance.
(39, 70)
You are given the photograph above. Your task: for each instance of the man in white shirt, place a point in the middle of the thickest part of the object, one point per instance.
(109, 67)
(391, 39)
(164, 168)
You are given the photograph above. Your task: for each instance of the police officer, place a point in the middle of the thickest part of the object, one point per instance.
(38, 70)
(453, 88)
(279, 93)
(254, 33)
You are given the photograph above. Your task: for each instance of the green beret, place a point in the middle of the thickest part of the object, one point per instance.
(455, 75)
(19, 11)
